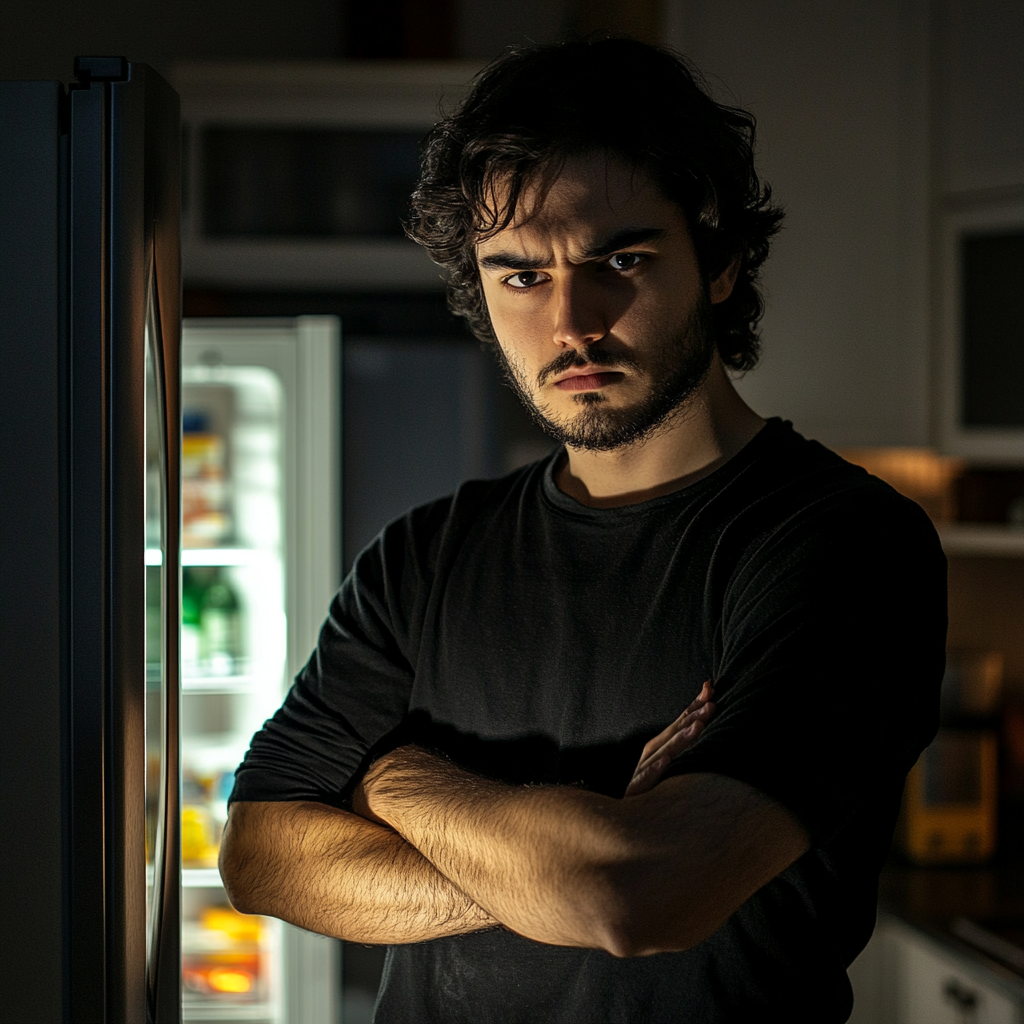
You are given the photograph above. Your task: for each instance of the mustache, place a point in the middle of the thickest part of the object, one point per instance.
(594, 356)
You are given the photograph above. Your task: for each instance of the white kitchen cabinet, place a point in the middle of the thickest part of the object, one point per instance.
(905, 976)
(935, 986)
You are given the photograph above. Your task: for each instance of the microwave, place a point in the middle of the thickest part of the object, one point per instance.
(980, 332)
(298, 174)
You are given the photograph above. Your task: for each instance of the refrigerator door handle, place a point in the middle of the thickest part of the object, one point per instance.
(164, 972)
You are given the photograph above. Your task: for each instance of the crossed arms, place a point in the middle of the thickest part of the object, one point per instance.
(430, 850)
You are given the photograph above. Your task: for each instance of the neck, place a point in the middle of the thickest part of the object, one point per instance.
(712, 426)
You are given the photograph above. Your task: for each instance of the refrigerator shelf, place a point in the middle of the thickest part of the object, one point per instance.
(193, 878)
(219, 557)
(222, 684)
(211, 685)
(209, 1012)
(201, 878)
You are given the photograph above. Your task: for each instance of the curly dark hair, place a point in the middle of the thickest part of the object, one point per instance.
(533, 107)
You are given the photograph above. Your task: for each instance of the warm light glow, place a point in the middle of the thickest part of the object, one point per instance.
(919, 473)
(224, 979)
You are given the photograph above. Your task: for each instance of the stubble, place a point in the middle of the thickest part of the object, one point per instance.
(677, 369)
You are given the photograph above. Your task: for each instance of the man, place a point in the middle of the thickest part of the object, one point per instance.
(475, 767)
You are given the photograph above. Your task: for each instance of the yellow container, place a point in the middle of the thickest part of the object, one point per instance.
(951, 800)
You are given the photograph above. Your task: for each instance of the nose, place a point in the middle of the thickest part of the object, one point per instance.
(579, 320)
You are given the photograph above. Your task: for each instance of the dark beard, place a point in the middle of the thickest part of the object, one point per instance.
(682, 366)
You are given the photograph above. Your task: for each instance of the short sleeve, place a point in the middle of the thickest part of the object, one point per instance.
(829, 659)
(353, 693)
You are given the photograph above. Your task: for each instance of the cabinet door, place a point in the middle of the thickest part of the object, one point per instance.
(934, 987)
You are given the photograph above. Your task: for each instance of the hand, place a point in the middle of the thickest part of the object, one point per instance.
(659, 753)
(391, 768)
(361, 794)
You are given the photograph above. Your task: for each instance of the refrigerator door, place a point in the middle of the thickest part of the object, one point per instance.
(90, 226)
(123, 277)
(32, 880)
(261, 561)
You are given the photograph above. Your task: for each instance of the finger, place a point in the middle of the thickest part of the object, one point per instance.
(683, 740)
(676, 744)
(649, 773)
(706, 693)
(702, 714)
(646, 778)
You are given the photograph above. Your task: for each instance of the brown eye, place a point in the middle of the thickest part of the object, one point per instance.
(524, 279)
(625, 260)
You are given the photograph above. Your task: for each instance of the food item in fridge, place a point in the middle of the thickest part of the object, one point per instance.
(239, 928)
(199, 845)
(221, 974)
(204, 814)
(192, 588)
(222, 956)
(220, 629)
(205, 519)
(211, 627)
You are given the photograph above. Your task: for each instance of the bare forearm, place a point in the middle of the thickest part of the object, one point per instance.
(536, 857)
(333, 872)
(655, 872)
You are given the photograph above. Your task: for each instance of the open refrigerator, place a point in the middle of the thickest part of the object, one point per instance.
(260, 560)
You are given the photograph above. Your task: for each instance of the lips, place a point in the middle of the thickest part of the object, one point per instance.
(588, 381)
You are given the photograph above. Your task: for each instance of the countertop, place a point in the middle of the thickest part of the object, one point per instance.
(930, 899)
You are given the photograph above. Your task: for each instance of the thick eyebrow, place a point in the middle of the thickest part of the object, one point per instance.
(622, 240)
(513, 261)
(613, 243)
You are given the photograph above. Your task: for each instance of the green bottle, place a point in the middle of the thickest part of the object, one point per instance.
(192, 589)
(220, 629)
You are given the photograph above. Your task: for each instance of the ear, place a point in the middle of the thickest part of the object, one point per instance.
(721, 287)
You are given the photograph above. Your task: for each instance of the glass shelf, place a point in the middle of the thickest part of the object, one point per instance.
(207, 1013)
(201, 878)
(221, 684)
(215, 556)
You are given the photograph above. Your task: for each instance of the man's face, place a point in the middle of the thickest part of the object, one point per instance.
(596, 299)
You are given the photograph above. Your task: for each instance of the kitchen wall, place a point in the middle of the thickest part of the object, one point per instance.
(840, 91)
(875, 117)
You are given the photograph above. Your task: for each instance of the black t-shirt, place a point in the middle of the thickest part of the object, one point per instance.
(536, 640)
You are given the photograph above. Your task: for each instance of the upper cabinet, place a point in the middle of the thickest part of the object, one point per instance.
(978, 236)
(979, 77)
(298, 174)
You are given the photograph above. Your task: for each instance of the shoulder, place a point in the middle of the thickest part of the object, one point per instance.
(797, 480)
(800, 507)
